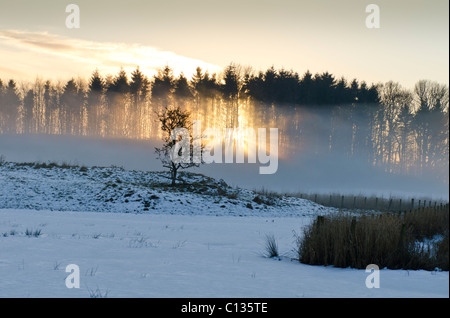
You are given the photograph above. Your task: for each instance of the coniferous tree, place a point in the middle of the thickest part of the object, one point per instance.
(10, 107)
(342, 94)
(163, 87)
(286, 87)
(140, 90)
(269, 85)
(182, 89)
(230, 88)
(307, 89)
(117, 97)
(95, 103)
(70, 108)
(324, 85)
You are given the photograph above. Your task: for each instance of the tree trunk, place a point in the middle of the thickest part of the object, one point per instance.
(174, 174)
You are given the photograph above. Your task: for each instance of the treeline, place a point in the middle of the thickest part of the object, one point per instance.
(114, 105)
(384, 124)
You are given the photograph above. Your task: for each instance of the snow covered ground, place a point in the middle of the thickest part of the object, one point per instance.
(113, 189)
(207, 240)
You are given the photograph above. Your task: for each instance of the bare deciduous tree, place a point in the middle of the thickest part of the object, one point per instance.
(172, 118)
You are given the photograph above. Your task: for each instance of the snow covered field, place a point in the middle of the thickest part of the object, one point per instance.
(203, 242)
(144, 255)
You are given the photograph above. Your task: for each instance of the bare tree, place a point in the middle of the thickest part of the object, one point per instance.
(172, 119)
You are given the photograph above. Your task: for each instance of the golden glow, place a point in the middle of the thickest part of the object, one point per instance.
(29, 54)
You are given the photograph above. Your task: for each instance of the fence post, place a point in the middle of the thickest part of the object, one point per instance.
(342, 202)
(400, 205)
(315, 198)
(376, 203)
(412, 204)
(354, 202)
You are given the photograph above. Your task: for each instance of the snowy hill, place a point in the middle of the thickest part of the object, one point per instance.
(113, 189)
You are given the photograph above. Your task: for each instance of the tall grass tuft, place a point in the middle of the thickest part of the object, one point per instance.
(271, 247)
(35, 233)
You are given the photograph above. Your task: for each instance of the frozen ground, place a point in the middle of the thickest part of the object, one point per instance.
(144, 255)
(199, 241)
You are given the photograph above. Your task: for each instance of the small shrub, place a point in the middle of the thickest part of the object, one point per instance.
(271, 195)
(83, 169)
(258, 200)
(222, 191)
(233, 196)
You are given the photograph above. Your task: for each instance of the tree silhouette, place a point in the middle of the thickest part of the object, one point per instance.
(163, 87)
(117, 96)
(287, 87)
(9, 107)
(95, 103)
(51, 107)
(307, 89)
(231, 86)
(204, 85)
(172, 118)
(342, 92)
(324, 85)
(182, 89)
(140, 91)
(28, 107)
(139, 86)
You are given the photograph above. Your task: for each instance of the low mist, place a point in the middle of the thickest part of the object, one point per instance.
(304, 172)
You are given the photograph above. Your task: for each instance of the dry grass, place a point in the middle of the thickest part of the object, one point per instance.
(271, 248)
(392, 240)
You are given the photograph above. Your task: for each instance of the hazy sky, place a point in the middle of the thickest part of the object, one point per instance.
(319, 35)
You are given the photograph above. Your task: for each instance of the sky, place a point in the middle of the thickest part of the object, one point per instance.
(411, 44)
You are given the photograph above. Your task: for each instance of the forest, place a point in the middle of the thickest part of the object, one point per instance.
(401, 130)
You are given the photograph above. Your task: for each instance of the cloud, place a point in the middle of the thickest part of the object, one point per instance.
(54, 56)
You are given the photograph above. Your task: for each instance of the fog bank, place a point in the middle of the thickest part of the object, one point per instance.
(303, 172)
